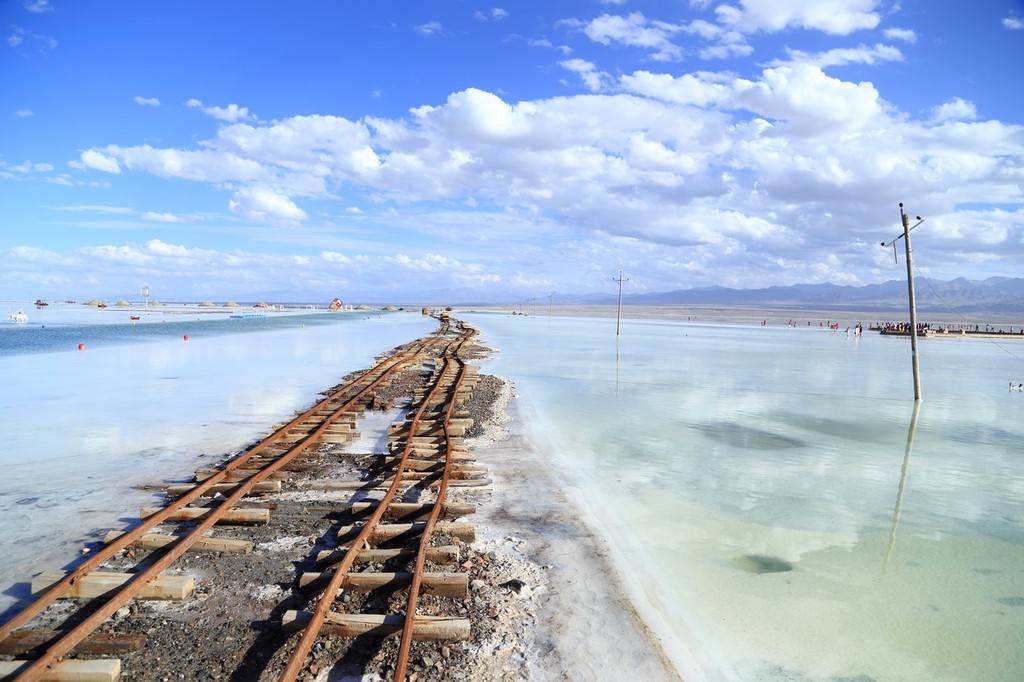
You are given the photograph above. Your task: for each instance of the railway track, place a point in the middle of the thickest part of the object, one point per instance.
(398, 528)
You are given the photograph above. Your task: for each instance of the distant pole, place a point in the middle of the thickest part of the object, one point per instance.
(907, 228)
(618, 315)
(551, 297)
(913, 304)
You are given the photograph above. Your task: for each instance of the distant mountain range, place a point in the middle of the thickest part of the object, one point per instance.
(995, 294)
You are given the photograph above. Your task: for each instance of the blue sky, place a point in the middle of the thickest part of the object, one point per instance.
(481, 150)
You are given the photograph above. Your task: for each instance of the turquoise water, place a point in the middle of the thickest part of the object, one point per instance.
(759, 481)
(81, 428)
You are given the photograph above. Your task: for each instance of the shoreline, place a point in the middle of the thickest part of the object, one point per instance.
(562, 537)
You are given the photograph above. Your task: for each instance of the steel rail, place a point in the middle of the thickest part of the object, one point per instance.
(60, 588)
(62, 646)
(297, 661)
(402, 664)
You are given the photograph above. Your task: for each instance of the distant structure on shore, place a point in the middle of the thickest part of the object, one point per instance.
(336, 304)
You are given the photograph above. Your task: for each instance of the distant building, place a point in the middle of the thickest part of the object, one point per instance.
(336, 305)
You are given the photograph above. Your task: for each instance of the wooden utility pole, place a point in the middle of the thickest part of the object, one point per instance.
(618, 315)
(905, 219)
(551, 297)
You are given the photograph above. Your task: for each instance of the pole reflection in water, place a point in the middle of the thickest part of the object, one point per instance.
(911, 434)
(616, 365)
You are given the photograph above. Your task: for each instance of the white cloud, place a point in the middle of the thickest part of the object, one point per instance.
(117, 254)
(907, 35)
(838, 17)
(862, 54)
(96, 208)
(701, 89)
(956, 109)
(1013, 23)
(38, 6)
(156, 217)
(637, 31)
(429, 28)
(231, 113)
(495, 14)
(98, 161)
(147, 101)
(30, 40)
(335, 257)
(23, 113)
(265, 204)
(25, 167)
(594, 80)
(699, 177)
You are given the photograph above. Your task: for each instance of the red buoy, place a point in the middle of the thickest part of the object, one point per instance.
(81, 346)
(186, 337)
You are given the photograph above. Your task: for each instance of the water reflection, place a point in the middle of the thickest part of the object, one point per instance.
(911, 435)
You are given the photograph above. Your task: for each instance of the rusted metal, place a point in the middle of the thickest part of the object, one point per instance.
(297, 661)
(408, 626)
(63, 646)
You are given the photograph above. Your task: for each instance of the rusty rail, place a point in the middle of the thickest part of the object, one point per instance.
(63, 646)
(402, 663)
(297, 661)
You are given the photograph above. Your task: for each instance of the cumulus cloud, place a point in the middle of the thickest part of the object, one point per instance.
(636, 30)
(91, 158)
(1013, 23)
(594, 80)
(265, 204)
(956, 109)
(694, 177)
(23, 113)
(231, 113)
(838, 17)
(38, 6)
(147, 101)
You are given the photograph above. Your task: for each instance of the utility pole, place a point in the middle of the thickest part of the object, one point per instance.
(551, 297)
(618, 316)
(905, 219)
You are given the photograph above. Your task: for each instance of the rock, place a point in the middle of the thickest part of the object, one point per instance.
(516, 585)
(478, 585)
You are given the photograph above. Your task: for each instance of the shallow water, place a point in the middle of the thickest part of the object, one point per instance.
(759, 481)
(80, 426)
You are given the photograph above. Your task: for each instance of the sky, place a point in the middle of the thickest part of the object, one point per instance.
(476, 151)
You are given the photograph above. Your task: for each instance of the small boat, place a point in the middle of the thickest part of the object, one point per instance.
(40, 303)
(134, 318)
(18, 317)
